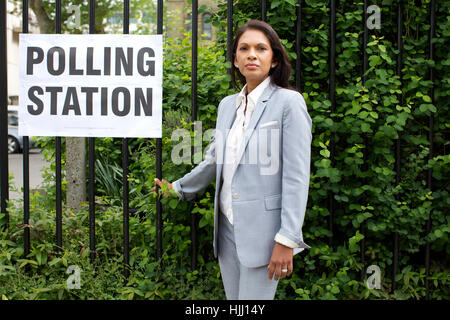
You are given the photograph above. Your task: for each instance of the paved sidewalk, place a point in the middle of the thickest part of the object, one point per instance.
(15, 162)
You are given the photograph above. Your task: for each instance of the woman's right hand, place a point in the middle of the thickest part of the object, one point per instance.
(160, 183)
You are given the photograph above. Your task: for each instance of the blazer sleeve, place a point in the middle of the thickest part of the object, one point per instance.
(202, 175)
(296, 157)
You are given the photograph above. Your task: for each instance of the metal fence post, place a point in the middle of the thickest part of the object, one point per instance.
(4, 190)
(229, 35)
(26, 199)
(365, 67)
(298, 46)
(92, 159)
(159, 222)
(263, 10)
(194, 22)
(397, 141)
(332, 61)
(126, 218)
(430, 137)
(58, 159)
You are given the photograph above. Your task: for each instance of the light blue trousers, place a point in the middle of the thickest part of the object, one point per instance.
(239, 281)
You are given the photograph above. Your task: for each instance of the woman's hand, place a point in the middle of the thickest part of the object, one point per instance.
(282, 257)
(166, 184)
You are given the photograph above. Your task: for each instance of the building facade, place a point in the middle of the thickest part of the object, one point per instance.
(14, 28)
(180, 10)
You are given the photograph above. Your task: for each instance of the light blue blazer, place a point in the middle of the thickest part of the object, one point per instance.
(268, 197)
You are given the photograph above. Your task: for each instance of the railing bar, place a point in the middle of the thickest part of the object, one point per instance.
(430, 138)
(333, 105)
(263, 10)
(26, 196)
(230, 36)
(397, 141)
(4, 114)
(194, 22)
(159, 222)
(298, 48)
(58, 158)
(365, 41)
(365, 67)
(92, 159)
(126, 218)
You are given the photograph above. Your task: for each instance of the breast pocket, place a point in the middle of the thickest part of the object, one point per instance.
(269, 124)
(273, 202)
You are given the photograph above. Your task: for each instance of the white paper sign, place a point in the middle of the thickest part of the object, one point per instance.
(90, 85)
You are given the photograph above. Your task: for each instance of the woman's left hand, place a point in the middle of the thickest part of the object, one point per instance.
(282, 257)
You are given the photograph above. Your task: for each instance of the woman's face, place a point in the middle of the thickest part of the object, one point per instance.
(254, 56)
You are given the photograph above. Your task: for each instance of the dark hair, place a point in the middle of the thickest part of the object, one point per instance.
(282, 72)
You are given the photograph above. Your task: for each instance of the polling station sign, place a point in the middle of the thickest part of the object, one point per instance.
(90, 85)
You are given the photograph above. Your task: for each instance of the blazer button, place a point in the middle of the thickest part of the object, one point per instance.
(235, 196)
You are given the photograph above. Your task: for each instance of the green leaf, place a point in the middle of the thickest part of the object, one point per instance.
(426, 98)
(374, 61)
(438, 233)
(173, 203)
(274, 4)
(386, 57)
(365, 127)
(363, 114)
(390, 119)
(54, 261)
(25, 262)
(335, 290)
(203, 222)
(325, 153)
(424, 107)
(64, 261)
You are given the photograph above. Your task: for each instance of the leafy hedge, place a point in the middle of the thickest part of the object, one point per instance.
(368, 118)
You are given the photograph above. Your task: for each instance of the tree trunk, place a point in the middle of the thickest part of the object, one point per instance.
(75, 172)
(45, 24)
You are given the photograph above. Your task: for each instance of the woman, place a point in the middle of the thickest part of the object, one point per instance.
(258, 209)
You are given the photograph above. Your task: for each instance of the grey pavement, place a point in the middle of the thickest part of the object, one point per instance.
(37, 163)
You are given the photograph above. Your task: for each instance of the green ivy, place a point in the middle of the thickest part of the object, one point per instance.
(369, 117)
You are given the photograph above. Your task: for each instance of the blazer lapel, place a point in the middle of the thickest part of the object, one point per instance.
(259, 109)
(230, 117)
